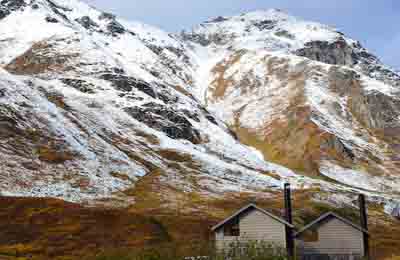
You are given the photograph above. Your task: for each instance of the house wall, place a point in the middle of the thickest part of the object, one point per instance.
(335, 237)
(255, 225)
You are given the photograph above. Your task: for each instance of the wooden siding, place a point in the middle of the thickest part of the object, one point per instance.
(335, 237)
(254, 225)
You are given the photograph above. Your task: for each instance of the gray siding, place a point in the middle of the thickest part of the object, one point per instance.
(335, 237)
(255, 225)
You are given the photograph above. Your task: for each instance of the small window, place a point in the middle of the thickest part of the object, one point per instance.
(310, 235)
(232, 228)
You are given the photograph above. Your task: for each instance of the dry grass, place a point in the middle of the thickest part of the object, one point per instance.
(393, 258)
(59, 230)
(183, 91)
(54, 229)
(39, 59)
(219, 86)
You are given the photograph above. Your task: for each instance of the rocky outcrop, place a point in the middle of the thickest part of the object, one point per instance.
(115, 28)
(373, 109)
(340, 52)
(59, 10)
(8, 6)
(87, 23)
(51, 19)
(107, 16)
(40, 59)
(127, 84)
(265, 25)
(81, 85)
(335, 53)
(8, 122)
(377, 111)
(174, 64)
(167, 120)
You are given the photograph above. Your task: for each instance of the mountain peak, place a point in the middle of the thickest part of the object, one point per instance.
(268, 14)
(271, 29)
(271, 14)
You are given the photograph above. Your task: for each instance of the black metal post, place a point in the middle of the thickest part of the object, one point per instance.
(288, 216)
(364, 224)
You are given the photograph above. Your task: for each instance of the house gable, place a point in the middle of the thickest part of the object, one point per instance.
(335, 235)
(248, 208)
(327, 217)
(254, 224)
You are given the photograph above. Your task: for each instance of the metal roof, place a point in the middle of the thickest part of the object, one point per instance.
(330, 215)
(237, 213)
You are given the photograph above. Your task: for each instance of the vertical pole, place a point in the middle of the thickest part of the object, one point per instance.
(288, 216)
(364, 224)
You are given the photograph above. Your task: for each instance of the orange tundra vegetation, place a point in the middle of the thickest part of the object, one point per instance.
(53, 229)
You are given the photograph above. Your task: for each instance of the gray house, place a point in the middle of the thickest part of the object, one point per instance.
(249, 224)
(328, 236)
(331, 234)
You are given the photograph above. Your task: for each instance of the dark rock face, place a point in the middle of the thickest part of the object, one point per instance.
(51, 20)
(341, 80)
(9, 119)
(7, 6)
(217, 20)
(265, 25)
(163, 93)
(212, 119)
(56, 6)
(377, 111)
(341, 53)
(165, 60)
(209, 116)
(57, 9)
(115, 28)
(86, 22)
(385, 110)
(203, 40)
(192, 115)
(167, 120)
(3, 13)
(286, 34)
(80, 85)
(335, 53)
(108, 16)
(127, 84)
(337, 145)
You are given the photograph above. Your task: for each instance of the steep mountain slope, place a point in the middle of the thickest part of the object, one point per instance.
(98, 103)
(304, 95)
(92, 107)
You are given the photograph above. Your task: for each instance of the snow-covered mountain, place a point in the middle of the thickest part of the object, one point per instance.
(90, 105)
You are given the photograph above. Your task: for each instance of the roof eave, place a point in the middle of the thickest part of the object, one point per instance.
(326, 215)
(220, 224)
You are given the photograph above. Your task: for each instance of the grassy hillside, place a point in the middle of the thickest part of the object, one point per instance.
(54, 229)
